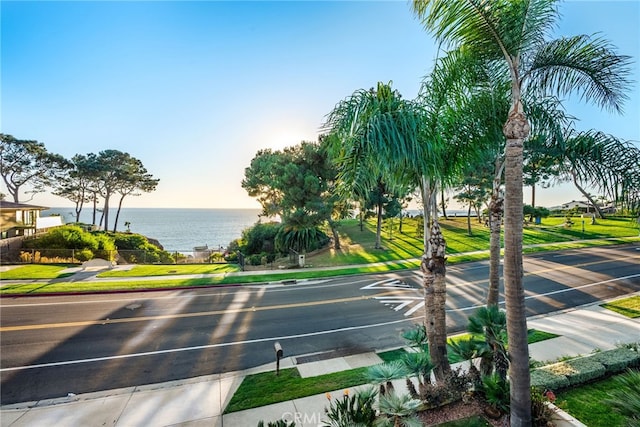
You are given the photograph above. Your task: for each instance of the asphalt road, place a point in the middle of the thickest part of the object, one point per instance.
(51, 346)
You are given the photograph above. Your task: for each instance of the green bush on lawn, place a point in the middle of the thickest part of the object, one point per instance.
(543, 378)
(581, 370)
(618, 360)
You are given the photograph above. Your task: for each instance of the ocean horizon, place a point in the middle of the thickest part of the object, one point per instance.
(181, 230)
(176, 229)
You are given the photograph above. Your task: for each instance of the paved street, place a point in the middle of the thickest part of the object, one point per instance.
(52, 346)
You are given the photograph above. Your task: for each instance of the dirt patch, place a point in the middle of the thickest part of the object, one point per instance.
(457, 411)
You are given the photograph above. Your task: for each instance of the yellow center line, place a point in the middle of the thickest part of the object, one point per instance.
(185, 315)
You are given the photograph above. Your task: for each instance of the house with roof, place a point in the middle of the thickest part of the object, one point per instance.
(583, 207)
(580, 206)
(21, 219)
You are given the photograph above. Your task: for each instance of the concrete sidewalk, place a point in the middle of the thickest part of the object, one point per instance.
(201, 401)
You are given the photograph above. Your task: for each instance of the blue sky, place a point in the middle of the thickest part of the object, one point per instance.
(195, 89)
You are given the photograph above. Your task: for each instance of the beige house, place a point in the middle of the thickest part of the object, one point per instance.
(21, 219)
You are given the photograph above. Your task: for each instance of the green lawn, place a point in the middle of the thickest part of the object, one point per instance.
(401, 250)
(36, 271)
(586, 403)
(267, 388)
(629, 307)
(171, 270)
(358, 246)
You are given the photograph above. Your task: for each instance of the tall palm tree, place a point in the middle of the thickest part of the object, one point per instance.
(363, 132)
(379, 134)
(515, 34)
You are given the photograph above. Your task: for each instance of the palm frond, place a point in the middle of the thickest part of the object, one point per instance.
(582, 64)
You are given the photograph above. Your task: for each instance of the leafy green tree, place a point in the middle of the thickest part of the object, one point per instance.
(385, 204)
(261, 237)
(27, 163)
(514, 33)
(78, 182)
(104, 175)
(134, 178)
(296, 184)
(535, 212)
(442, 95)
(474, 189)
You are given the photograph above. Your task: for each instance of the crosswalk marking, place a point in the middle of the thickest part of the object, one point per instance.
(401, 302)
(388, 284)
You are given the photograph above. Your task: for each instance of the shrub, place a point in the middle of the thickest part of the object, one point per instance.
(135, 248)
(277, 423)
(495, 391)
(625, 398)
(617, 360)
(255, 259)
(543, 378)
(541, 414)
(351, 410)
(83, 255)
(259, 238)
(578, 370)
(455, 385)
(59, 242)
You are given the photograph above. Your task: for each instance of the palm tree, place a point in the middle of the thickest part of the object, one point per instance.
(490, 323)
(398, 411)
(378, 135)
(441, 95)
(598, 160)
(419, 366)
(383, 374)
(514, 33)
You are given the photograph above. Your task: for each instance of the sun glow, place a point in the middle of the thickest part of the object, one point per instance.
(288, 137)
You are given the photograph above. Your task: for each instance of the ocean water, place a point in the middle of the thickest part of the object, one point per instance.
(176, 229)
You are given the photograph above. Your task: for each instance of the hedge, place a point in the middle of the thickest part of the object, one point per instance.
(580, 370)
(618, 360)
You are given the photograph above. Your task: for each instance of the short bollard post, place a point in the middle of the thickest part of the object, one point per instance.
(278, 348)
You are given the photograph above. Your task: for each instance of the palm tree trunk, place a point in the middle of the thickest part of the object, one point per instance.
(336, 235)
(443, 204)
(435, 294)
(495, 219)
(533, 195)
(515, 130)
(379, 228)
(496, 207)
(599, 213)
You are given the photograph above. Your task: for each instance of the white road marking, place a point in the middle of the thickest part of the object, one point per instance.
(202, 347)
(387, 284)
